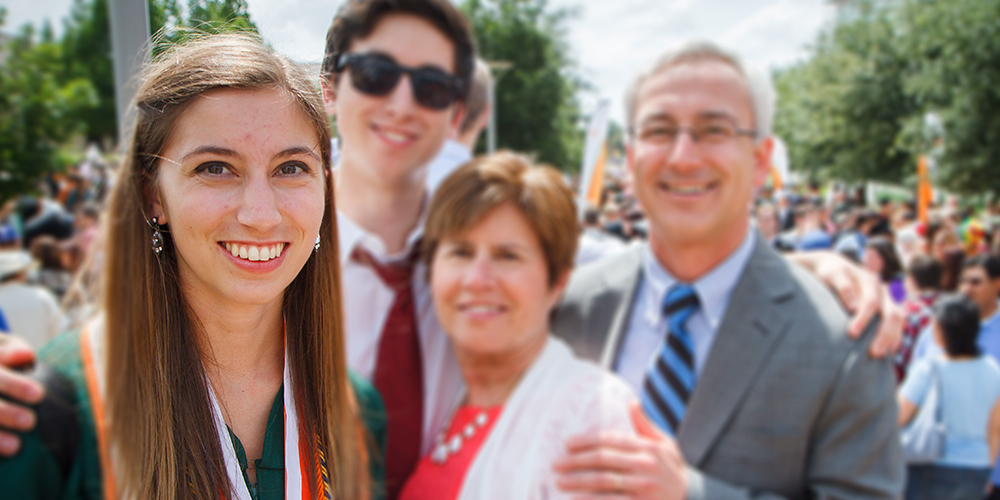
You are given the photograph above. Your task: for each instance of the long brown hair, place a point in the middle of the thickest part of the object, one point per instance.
(161, 428)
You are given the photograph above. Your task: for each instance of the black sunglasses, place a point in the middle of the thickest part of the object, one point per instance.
(376, 74)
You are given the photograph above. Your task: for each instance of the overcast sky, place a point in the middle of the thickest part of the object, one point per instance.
(609, 39)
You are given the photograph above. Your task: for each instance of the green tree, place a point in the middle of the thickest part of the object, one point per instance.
(954, 49)
(86, 48)
(86, 54)
(858, 108)
(842, 111)
(535, 100)
(35, 109)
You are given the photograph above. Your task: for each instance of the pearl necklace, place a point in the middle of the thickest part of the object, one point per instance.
(444, 448)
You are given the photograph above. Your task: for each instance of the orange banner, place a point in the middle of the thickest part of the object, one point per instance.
(924, 193)
(597, 179)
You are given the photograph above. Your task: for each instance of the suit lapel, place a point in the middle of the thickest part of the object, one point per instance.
(753, 323)
(625, 279)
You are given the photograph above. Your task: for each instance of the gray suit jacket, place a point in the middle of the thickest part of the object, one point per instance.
(786, 406)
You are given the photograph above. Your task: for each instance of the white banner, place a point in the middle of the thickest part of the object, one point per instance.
(597, 131)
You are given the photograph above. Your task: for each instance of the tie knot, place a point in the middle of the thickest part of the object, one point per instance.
(680, 298)
(395, 275)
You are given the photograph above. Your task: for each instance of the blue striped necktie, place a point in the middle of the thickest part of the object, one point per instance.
(670, 380)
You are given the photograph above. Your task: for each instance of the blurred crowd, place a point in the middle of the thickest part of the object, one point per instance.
(48, 262)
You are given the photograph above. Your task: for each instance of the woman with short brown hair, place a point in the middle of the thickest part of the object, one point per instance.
(500, 238)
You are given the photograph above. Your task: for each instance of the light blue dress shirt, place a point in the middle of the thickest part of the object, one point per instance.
(989, 343)
(647, 327)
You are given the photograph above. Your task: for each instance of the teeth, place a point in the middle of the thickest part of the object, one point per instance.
(395, 137)
(254, 253)
(482, 309)
(689, 190)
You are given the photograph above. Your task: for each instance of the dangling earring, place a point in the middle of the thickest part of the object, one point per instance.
(316, 246)
(157, 239)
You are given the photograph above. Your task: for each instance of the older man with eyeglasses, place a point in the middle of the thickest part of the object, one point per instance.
(748, 383)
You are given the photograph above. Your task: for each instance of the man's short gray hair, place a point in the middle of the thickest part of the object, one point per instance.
(478, 100)
(758, 82)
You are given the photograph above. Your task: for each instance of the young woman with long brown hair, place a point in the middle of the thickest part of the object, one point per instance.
(216, 366)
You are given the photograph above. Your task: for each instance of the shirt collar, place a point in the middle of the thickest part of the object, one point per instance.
(352, 235)
(714, 288)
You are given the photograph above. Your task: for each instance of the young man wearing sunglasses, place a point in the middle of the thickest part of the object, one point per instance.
(395, 76)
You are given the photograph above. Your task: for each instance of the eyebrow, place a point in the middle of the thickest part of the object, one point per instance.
(707, 115)
(229, 153)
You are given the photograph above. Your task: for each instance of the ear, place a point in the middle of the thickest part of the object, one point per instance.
(762, 161)
(329, 96)
(558, 288)
(456, 119)
(156, 208)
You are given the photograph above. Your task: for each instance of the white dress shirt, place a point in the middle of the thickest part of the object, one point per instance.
(366, 308)
(453, 154)
(647, 327)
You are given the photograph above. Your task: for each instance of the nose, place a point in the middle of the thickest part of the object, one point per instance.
(401, 100)
(685, 153)
(258, 204)
(479, 275)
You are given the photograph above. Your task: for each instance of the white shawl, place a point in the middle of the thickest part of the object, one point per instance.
(559, 396)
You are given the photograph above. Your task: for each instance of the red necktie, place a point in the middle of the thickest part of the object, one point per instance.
(399, 374)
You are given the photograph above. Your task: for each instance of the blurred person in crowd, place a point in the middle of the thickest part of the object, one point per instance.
(824, 217)
(86, 225)
(951, 269)
(31, 311)
(44, 216)
(908, 244)
(726, 343)
(923, 277)
(72, 191)
(945, 240)
(786, 211)
(766, 219)
(499, 241)
(968, 385)
(53, 272)
(880, 258)
(852, 240)
(220, 312)
(595, 243)
(615, 222)
(458, 150)
(883, 221)
(980, 281)
(930, 229)
(9, 239)
(812, 234)
(839, 202)
(635, 227)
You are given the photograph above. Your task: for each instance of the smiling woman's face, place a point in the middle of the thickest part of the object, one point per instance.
(491, 286)
(241, 186)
